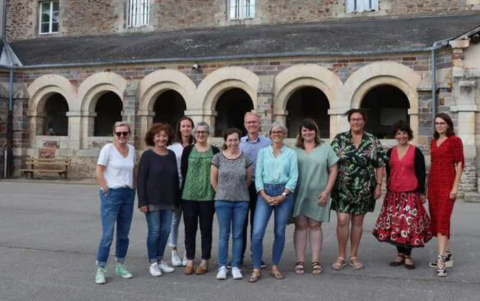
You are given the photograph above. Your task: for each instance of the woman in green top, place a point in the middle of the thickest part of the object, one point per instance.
(317, 168)
(197, 196)
(358, 185)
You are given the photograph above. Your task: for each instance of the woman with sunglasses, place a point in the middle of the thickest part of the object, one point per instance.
(158, 193)
(116, 177)
(183, 139)
(197, 197)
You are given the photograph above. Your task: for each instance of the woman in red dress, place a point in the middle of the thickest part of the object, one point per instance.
(447, 162)
(403, 220)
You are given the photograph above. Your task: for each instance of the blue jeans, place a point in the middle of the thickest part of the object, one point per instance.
(159, 225)
(177, 216)
(263, 211)
(230, 215)
(115, 207)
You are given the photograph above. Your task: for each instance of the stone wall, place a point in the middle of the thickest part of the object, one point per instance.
(79, 17)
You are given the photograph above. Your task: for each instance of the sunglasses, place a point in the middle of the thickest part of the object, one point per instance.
(125, 134)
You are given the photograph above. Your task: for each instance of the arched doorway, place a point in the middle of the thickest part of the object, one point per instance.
(109, 110)
(169, 107)
(231, 108)
(385, 105)
(311, 103)
(56, 120)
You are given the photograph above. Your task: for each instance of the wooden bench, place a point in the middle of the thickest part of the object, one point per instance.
(60, 166)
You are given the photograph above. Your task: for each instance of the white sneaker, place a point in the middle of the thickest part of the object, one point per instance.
(164, 267)
(222, 273)
(185, 260)
(176, 261)
(237, 273)
(154, 270)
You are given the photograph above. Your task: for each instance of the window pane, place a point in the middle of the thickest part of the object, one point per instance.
(56, 6)
(56, 17)
(45, 28)
(45, 6)
(55, 27)
(45, 17)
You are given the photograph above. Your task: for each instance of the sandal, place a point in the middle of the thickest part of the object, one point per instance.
(441, 266)
(316, 268)
(396, 262)
(275, 273)
(339, 264)
(299, 268)
(409, 266)
(256, 275)
(354, 263)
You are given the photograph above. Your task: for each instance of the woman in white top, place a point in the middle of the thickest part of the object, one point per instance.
(115, 174)
(183, 138)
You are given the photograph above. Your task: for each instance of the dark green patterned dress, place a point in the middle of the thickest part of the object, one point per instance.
(355, 185)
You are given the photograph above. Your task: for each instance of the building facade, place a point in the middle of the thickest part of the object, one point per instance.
(70, 69)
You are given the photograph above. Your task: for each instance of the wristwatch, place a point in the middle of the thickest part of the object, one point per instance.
(284, 194)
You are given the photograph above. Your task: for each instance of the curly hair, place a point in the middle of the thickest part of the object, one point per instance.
(156, 129)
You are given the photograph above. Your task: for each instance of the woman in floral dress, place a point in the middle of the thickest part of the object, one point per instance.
(358, 185)
(445, 173)
(403, 220)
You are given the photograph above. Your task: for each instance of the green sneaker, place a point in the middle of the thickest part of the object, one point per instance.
(100, 276)
(121, 271)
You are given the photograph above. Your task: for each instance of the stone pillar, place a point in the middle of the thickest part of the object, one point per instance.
(146, 121)
(466, 109)
(37, 124)
(130, 107)
(87, 128)
(74, 129)
(265, 103)
(338, 121)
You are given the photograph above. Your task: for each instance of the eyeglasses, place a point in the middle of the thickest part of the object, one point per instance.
(440, 123)
(125, 134)
(277, 132)
(201, 133)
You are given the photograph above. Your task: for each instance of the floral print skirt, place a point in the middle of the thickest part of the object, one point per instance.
(403, 220)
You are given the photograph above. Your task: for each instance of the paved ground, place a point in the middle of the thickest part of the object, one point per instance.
(49, 234)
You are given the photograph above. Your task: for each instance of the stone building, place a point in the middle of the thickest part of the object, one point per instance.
(71, 68)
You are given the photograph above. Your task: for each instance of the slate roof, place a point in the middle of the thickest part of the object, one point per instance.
(326, 38)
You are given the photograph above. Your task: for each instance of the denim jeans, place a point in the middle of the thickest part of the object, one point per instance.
(263, 211)
(231, 217)
(159, 224)
(116, 208)
(177, 216)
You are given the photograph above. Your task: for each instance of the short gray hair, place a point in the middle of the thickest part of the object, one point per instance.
(203, 124)
(277, 125)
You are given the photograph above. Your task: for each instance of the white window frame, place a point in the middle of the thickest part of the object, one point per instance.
(138, 13)
(358, 6)
(241, 9)
(51, 20)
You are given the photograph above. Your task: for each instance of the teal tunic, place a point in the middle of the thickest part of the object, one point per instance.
(313, 176)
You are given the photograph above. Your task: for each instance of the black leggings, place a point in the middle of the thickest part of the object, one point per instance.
(404, 250)
(193, 211)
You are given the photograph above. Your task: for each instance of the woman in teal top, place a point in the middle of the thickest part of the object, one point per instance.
(276, 175)
(197, 197)
(317, 167)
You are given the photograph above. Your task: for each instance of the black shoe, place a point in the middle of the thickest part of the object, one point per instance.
(263, 265)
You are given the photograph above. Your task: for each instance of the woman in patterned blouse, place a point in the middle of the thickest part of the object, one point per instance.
(358, 185)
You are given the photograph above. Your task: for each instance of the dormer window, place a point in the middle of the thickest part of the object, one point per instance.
(49, 17)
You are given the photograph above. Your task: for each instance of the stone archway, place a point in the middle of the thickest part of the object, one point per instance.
(217, 83)
(231, 108)
(377, 74)
(297, 77)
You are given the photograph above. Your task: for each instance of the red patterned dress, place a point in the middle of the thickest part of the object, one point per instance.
(403, 221)
(440, 182)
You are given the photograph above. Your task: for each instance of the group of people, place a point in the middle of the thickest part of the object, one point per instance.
(252, 177)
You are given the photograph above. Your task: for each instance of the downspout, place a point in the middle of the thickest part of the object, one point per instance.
(433, 61)
(8, 148)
